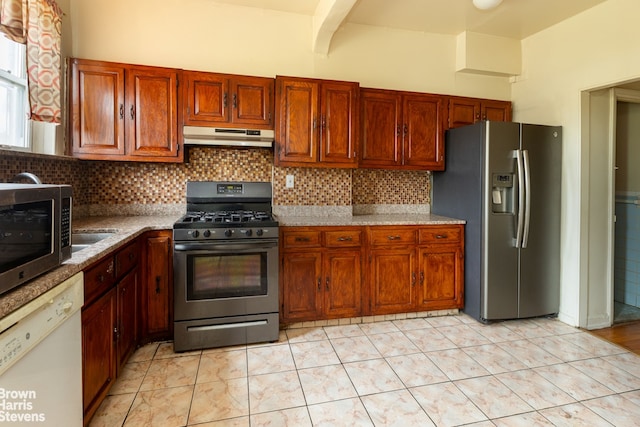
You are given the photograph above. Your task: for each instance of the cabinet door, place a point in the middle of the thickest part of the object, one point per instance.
(97, 109)
(206, 98)
(158, 287)
(127, 303)
(301, 285)
(98, 351)
(393, 278)
(441, 281)
(342, 282)
(339, 124)
(152, 112)
(296, 122)
(496, 111)
(423, 132)
(381, 130)
(252, 102)
(463, 111)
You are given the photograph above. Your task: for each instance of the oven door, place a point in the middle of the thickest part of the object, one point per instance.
(225, 278)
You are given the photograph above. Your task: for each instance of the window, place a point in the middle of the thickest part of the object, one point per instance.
(14, 104)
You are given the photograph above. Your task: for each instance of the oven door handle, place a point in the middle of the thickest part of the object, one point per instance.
(190, 247)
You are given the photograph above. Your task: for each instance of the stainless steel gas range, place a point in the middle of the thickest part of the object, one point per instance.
(225, 266)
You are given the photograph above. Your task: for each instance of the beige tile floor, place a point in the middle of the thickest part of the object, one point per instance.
(443, 371)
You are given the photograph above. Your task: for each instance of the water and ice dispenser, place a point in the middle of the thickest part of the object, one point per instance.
(502, 193)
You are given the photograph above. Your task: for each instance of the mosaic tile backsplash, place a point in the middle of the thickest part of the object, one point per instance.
(128, 183)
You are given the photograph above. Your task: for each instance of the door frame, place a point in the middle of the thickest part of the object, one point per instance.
(599, 108)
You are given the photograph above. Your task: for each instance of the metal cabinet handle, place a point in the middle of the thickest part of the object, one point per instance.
(421, 277)
(398, 130)
(441, 236)
(224, 100)
(235, 101)
(158, 279)
(100, 278)
(393, 237)
(406, 129)
(121, 111)
(327, 284)
(302, 239)
(132, 112)
(319, 284)
(131, 256)
(345, 239)
(413, 278)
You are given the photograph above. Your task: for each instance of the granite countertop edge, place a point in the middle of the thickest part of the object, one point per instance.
(124, 229)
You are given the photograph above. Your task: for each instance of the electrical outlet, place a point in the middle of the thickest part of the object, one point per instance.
(289, 182)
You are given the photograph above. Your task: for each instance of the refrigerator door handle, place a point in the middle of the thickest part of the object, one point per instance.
(527, 200)
(521, 195)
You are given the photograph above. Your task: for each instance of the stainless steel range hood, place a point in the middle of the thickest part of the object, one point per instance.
(200, 135)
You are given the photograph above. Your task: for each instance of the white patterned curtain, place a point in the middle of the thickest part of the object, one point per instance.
(38, 24)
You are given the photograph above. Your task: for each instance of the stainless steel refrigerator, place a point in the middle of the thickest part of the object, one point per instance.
(503, 178)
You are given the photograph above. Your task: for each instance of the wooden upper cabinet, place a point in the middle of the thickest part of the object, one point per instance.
(97, 109)
(423, 132)
(213, 99)
(124, 112)
(381, 130)
(316, 123)
(402, 130)
(152, 129)
(467, 111)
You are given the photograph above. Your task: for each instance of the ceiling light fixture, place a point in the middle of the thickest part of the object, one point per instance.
(486, 4)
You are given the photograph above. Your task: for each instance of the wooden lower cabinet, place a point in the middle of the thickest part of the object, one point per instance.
(339, 272)
(157, 298)
(98, 351)
(391, 276)
(128, 296)
(127, 318)
(320, 273)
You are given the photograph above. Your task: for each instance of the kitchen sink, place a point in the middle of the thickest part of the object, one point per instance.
(81, 241)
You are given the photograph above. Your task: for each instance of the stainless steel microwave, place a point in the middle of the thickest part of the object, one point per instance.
(35, 231)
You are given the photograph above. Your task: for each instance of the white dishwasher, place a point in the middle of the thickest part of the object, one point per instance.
(41, 359)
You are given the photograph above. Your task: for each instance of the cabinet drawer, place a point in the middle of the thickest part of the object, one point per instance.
(300, 239)
(340, 239)
(99, 278)
(126, 259)
(440, 234)
(393, 236)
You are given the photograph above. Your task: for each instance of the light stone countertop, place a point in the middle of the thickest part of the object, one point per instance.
(360, 220)
(125, 229)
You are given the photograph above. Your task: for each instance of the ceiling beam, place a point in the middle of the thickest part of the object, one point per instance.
(326, 21)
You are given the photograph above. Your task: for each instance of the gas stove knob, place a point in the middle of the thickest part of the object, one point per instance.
(248, 233)
(207, 233)
(195, 234)
(228, 232)
(259, 232)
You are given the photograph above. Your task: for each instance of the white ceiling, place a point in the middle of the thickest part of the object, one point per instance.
(516, 19)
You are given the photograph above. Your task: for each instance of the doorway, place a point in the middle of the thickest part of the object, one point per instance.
(626, 280)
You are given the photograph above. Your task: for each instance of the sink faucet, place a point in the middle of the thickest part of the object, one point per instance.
(28, 176)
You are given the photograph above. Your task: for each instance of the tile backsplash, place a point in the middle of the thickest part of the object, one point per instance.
(106, 183)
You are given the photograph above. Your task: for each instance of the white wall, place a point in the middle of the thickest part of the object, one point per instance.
(204, 35)
(595, 49)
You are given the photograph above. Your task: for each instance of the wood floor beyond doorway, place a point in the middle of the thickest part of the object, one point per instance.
(626, 335)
